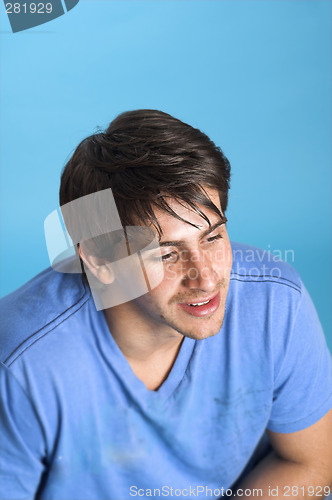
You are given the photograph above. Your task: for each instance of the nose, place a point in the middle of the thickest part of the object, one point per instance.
(199, 273)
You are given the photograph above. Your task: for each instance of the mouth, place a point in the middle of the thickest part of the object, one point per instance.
(202, 308)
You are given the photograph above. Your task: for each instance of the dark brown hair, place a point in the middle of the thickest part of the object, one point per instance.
(143, 156)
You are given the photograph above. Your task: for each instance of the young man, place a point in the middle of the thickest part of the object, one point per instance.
(218, 377)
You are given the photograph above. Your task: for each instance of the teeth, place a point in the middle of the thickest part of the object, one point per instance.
(200, 303)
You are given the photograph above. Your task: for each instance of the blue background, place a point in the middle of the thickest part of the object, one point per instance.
(255, 76)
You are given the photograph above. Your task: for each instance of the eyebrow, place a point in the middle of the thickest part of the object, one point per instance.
(205, 233)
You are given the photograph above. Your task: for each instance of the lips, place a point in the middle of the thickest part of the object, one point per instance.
(201, 308)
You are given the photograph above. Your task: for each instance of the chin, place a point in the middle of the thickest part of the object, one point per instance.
(200, 333)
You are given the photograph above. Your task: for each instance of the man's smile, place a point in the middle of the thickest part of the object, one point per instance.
(201, 308)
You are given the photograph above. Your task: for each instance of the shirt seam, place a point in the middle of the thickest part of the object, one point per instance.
(45, 326)
(279, 422)
(184, 373)
(252, 278)
(295, 287)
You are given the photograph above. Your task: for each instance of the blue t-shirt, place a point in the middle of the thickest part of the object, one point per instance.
(77, 424)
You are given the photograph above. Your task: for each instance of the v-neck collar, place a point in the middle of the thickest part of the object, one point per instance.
(124, 371)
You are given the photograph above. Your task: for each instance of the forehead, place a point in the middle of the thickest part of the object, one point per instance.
(174, 229)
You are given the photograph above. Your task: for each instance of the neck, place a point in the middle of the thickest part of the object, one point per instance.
(151, 350)
(138, 339)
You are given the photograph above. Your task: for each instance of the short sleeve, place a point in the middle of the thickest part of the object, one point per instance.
(21, 441)
(303, 385)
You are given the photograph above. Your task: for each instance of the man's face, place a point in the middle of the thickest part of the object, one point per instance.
(197, 262)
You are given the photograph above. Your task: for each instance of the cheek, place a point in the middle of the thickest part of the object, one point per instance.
(169, 283)
(166, 289)
(171, 275)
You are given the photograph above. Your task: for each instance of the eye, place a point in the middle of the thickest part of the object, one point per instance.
(169, 257)
(211, 239)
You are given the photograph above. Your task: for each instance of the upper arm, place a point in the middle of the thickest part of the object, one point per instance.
(311, 446)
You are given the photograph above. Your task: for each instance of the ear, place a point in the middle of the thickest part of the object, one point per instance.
(101, 269)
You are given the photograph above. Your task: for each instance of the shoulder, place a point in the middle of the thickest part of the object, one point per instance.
(254, 265)
(37, 307)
